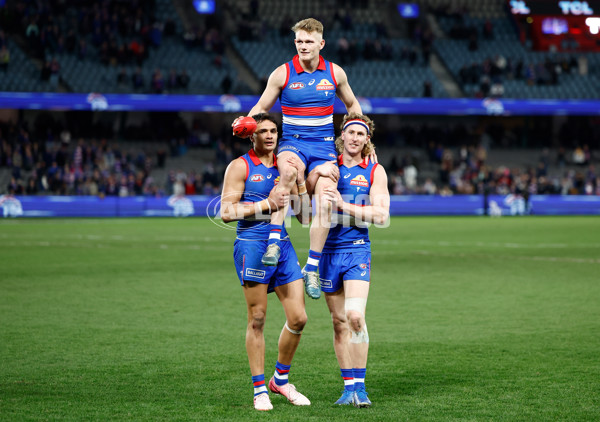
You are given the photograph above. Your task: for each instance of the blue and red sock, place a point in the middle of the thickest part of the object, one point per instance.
(275, 233)
(359, 378)
(259, 384)
(348, 376)
(312, 263)
(281, 373)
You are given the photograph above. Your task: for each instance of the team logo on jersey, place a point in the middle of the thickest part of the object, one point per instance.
(257, 178)
(276, 181)
(325, 85)
(296, 85)
(363, 266)
(360, 180)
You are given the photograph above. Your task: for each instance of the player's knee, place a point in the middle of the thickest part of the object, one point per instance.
(257, 319)
(288, 174)
(355, 320)
(298, 322)
(340, 325)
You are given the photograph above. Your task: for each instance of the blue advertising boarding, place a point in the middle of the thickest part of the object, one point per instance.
(203, 206)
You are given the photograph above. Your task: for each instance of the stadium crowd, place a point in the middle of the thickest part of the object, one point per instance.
(112, 33)
(59, 165)
(465, 171)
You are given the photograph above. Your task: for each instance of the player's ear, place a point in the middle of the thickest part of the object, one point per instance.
(322, 44)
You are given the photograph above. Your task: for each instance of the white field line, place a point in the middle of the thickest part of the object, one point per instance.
(96, 245)
(480, 244)
(201, 239)
(519, 258)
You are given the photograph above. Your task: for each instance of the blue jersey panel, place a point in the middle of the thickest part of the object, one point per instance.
(355, 186)
(307, 102)
(259, 182)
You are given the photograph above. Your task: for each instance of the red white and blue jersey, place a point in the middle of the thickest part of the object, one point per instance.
(259, 181)
(307, 102)
(354, 185)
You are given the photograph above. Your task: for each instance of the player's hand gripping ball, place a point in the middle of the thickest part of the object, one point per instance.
(244, 127)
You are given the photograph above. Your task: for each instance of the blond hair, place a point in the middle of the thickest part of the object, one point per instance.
(309, 25)
(369, 146)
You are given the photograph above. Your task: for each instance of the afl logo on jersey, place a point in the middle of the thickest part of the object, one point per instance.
(360, 180)
(257, 178)
(325, 85)
(363, 266)
(296, 85)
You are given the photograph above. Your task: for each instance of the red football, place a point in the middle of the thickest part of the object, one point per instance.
(244, 127)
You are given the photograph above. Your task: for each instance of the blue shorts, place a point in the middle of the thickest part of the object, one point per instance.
(334, 268)
(247, 255)
(312, 153)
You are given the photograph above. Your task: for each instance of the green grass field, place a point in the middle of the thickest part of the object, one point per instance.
(144, 319)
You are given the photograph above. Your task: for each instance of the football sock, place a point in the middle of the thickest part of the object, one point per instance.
(312, 263)
(281, 373)
(259, 384)
(275, 234)
(359, 377)
(348, 376)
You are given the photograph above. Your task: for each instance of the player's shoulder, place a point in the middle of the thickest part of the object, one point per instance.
(338, 71)
(279, 75)
(237, 166)
(379, 172)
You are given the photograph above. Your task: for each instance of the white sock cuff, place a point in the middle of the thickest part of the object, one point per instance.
(312, 261)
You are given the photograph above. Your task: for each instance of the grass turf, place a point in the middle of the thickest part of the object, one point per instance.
(144, 319)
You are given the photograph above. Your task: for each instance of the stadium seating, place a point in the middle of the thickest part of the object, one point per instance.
(455, 53)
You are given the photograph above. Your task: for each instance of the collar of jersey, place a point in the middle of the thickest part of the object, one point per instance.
(257, 161)
(298, 66)
(364, 164)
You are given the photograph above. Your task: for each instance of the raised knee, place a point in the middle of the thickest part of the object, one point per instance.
(289, 174)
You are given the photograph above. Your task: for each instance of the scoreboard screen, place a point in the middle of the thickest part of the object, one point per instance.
(555, 7)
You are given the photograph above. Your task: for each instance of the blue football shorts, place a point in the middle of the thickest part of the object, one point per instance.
(247, 255)
(334, 268)
(312, 153)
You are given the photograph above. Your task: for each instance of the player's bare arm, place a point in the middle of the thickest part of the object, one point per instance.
(344, 91)
(233, 187)
(271, 93)
(329, 169)
(379, 210)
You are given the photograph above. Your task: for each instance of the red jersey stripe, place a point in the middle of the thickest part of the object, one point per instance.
(308, 111)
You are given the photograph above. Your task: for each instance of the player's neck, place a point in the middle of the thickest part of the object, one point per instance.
(310, 66)
(352, 160)
(265, 157)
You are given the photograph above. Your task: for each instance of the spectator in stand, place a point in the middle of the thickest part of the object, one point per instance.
(4, 58)
(137, 79)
